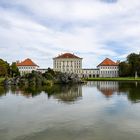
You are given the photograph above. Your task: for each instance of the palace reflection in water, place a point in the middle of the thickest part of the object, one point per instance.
(72, 93)
(109, 88)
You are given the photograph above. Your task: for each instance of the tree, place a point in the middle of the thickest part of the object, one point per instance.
(51, 71)
(130, 66)
(134, 60)
(14, 70)
(4, 68)
(49, 74)
(124, 69)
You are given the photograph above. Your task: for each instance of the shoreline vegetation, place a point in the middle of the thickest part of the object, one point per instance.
(32, 81)
(48, 78)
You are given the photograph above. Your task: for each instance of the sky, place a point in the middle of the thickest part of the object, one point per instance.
(91, 29)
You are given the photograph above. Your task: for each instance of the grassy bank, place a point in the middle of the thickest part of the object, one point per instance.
(1, 81)
(114, 79)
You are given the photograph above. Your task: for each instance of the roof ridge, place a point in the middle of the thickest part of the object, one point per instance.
(108, 62)
(27, 62)
(67, 55)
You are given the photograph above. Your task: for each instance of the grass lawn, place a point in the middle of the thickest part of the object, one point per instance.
(1, 80)
(114, 79)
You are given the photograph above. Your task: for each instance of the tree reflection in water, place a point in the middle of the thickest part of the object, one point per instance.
(3, 91)
(72, 93)
(64, 93)
(132, 89)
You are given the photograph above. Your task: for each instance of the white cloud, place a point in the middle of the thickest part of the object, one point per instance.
(83, 27)
(77, 9)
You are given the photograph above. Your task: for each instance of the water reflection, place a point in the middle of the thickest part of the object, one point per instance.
(72, 93)
(27, 91)
(35, 113)
(69, 93)
(131, 89)
(3, 91)
(108, 88)
(64, 93)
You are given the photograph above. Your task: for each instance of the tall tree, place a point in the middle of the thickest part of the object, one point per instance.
(130, 66)
(14, 70)
(134, 60)
(4, 68)
(124, 69)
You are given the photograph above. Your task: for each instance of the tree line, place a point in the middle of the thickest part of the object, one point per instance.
(131, 66)
(7, 70)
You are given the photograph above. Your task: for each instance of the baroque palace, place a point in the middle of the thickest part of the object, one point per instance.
(70, 63)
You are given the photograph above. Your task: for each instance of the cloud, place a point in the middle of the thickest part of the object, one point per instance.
(92, 29)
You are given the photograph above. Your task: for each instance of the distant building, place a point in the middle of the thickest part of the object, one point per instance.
(68, 62)
(89, 73)
(108, 68)
(71, 63)
(27, 66)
